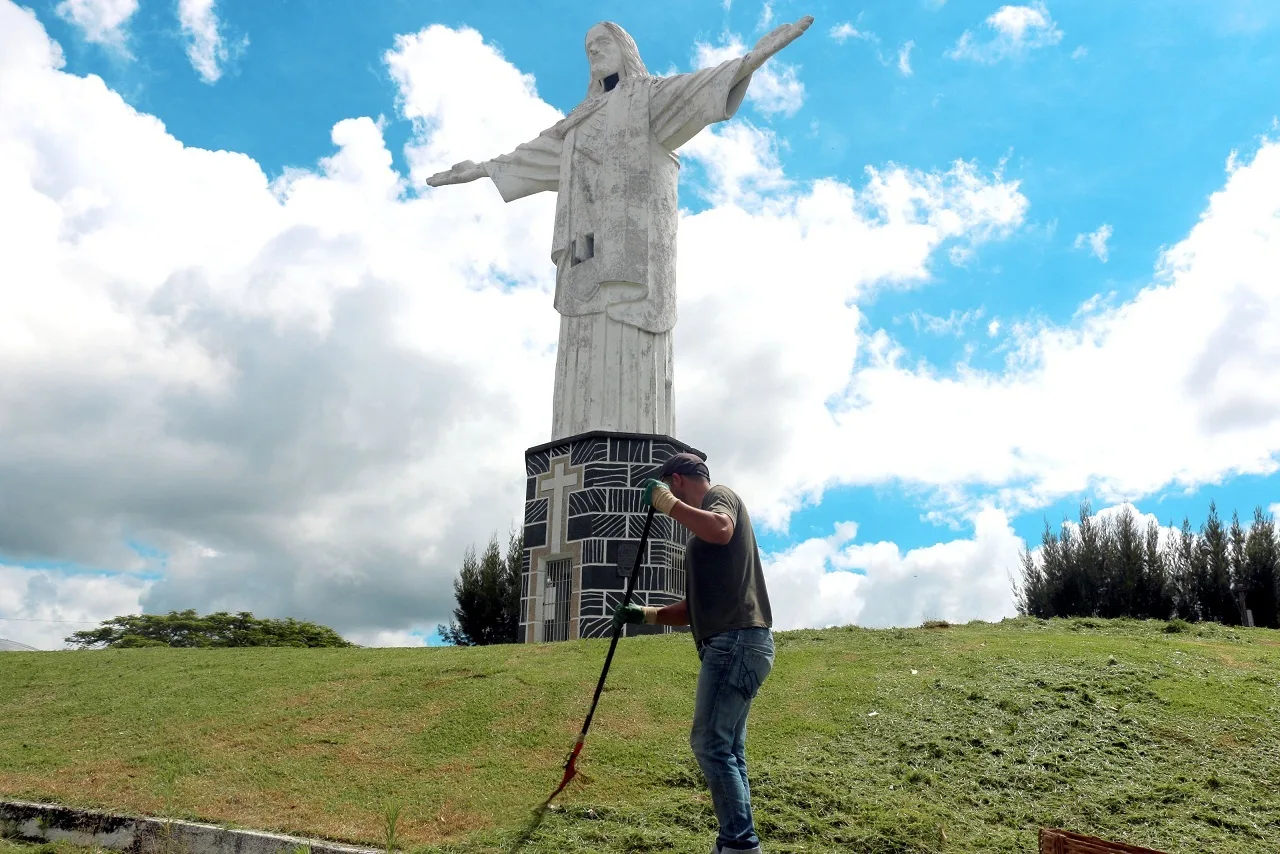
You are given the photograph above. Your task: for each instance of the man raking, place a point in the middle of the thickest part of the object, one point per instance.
(727, 607)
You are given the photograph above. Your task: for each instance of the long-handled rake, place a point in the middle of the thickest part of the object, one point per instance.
(571, 764)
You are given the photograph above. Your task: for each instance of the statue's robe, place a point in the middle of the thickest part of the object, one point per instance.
(612, 163)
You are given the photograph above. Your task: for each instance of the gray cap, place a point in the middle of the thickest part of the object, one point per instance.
(684, 463)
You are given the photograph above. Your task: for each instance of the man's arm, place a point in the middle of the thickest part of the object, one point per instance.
(675, 614)
(706, 525)
(710, 526)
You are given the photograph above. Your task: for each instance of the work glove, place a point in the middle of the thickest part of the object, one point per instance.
(634, 614)
(658, 496)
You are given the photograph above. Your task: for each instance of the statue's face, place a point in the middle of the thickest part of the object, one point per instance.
(603, 53)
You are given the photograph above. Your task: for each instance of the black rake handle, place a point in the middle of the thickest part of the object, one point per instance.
(571, 764)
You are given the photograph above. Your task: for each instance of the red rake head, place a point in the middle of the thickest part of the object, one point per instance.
(570, 771)
(570, 768)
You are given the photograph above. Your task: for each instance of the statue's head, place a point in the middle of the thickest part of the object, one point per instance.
(613, 57)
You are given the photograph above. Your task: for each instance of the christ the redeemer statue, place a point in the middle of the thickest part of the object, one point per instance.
(612, 161)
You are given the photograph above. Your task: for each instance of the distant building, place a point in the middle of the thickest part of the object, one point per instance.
(14, 646)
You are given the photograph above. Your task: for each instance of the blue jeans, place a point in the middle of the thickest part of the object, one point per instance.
(734, 664)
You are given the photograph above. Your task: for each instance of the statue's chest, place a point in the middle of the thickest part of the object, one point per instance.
(590, 141)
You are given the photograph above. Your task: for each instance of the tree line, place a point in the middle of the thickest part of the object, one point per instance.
(187, 629)
(1112, 567)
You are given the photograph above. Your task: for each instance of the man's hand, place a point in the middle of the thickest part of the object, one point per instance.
(458, 173)
(633, 614)
(658, 496)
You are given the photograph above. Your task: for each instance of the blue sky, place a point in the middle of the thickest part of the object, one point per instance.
(1111, 125)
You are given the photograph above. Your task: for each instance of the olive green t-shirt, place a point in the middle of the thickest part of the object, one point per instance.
(724, 585)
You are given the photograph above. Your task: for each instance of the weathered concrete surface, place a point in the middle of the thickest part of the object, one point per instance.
(51, 822)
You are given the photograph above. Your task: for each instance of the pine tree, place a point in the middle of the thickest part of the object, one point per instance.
(1070, 599)
(1091, 557)
(487, 591)
(1155, 599)
(1235, 563)
(1180, 563)
(1262, 569)
(1214, 571)
(1125, 568)
(1031, 597)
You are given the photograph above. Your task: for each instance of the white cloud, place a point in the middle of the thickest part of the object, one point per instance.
(993, 328)
(101, 21)
(276, 384)
(1080, 53)
(833, 581)
(775, 87)
(1096, 241)
(382, 638)
(766, 16)
(1017, 30)
(1210, 412)
(207, 49)
(955, 323)
(1274, 509)
(740, 160)
(844, 31)
(42, 607)
(904, 58)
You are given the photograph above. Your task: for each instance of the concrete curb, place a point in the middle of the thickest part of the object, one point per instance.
(51, 823)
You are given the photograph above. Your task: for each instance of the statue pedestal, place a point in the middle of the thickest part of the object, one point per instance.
(582, 523)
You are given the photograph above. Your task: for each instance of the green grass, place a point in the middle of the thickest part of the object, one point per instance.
(960, 739)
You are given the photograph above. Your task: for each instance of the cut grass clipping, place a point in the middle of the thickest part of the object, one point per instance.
(944, 739)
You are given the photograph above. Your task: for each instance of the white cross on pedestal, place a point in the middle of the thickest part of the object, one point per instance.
(556, 485)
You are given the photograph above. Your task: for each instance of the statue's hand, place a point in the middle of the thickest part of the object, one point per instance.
(459, 173)
(774, 41)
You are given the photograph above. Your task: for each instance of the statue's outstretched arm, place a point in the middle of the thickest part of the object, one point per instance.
(458, 173)
(772, 42)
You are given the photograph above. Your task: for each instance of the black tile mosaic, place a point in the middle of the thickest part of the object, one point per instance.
(536, 511)
(589, 451)
(535, 535)
(629, 450)
(536, 463)
(593, 551)
(626, 501)
(587, 501)
(606, 474)
(597, 577)
(581, 527)
(610, 525)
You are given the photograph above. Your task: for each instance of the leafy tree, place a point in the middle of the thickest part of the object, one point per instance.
(487, 591)
(189, 629)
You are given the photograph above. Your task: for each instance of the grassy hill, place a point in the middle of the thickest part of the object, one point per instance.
(960, 739)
